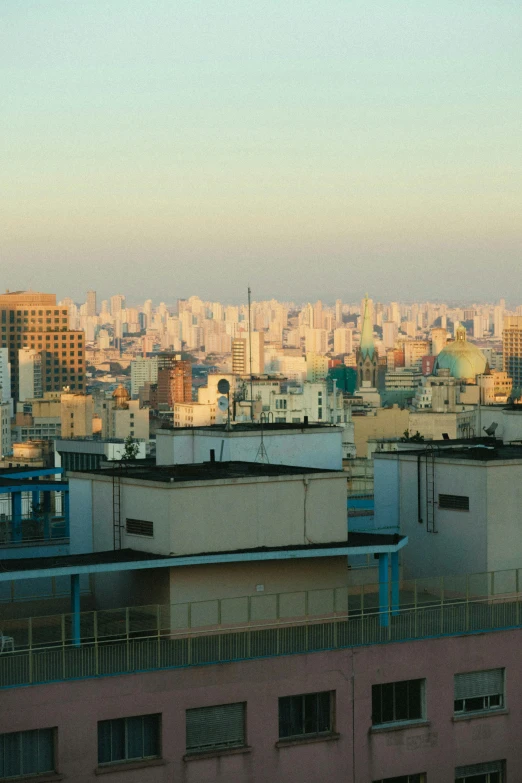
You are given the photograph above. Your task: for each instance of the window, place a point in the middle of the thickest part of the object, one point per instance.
(140, 527)
(397, 701)
(491, 772)
(479, 691)
(420, 777)
(216, 728)
(456, 502)
(128, 739)
(26, 753)
(306, 715)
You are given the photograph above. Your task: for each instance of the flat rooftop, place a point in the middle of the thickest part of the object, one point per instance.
(204, 471)
(249, 426)
(479, 452)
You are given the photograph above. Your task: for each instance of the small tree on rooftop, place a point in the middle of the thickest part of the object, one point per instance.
(131, 449)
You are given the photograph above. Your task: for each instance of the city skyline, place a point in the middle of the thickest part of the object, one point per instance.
(217, 145)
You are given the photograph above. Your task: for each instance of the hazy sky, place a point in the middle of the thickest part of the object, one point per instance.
(311, 149)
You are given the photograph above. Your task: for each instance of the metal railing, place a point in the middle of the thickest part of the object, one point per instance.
(30, 529)
(44, 649)
(137, 647)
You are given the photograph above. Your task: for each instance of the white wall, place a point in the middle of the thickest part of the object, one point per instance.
(81, 515)
(214, 516)
(302, 448)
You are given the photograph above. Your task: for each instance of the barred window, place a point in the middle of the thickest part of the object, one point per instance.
(305, 715)
(397, 701)
(26, 753)
(128, 739)
(456, 502)
(216, 728)
(479, 691)
(139, 527)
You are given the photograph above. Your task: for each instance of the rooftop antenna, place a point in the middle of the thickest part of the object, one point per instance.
(250, 356)
(262, 455)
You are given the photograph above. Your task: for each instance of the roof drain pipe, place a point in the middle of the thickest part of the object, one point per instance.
(419, 517)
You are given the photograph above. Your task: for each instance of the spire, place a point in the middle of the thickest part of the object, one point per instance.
(367, 344)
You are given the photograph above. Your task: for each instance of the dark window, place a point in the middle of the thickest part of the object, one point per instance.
(419, 778)
(397, 701)
(479, 691)
(26, 753)
(215, 728)
(306, 714)
(140, 527)
(457, 502)
(490, 772)
(128, 739)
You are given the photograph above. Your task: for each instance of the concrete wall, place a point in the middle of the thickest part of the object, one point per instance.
(81, 515)
(356, 754)
(304, 448)
(504, 501)
(213, 516)
(386, 423)
(459, 545)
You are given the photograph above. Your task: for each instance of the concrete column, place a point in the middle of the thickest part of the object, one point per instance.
(395, 585)
(75, 608)
(47, 514)
(65, 511)
(384, 599)
(16, 505)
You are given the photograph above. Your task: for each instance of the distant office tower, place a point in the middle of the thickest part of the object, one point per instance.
(439, 339)
(174, 384)
(34, 320)
(241, 364)
(5, 376)
(498, 321)
(117, 304)
(143, 370)
(316, 340)
(339, 311)
(91, 302)
(512, 348)
(478, 326)
(343, 342)
(29, 374)
(390, 332)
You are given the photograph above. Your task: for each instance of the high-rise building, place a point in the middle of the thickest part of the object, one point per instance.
(91, 303)
(117, 304)
(29, 374)
(30, 319)
(512, 348)
(241, 364)
(342, 341)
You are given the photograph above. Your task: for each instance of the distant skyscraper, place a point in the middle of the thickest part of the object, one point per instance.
(34, 320)
(512, 349)
(91, 302)
(117, 304)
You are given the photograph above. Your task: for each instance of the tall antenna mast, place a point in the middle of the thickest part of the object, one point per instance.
(250, 356)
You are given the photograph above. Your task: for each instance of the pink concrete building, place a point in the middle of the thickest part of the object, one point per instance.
(427, 711)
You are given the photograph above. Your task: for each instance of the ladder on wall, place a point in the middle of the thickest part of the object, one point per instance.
(430, 490)
(116, 511)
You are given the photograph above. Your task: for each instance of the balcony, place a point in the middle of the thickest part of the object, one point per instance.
(39, 650)
(31, 529)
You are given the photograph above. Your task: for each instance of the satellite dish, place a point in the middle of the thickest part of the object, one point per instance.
(491, 429)
(222, 403)
(223, 386)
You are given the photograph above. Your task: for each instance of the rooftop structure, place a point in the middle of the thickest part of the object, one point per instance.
(463, 359)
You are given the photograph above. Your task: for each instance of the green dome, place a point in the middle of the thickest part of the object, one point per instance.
(464, 360)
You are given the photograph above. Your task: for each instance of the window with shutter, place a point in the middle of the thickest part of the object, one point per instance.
(479, 691)
(216, 728)
(490, 772)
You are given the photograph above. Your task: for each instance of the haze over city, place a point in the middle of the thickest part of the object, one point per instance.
(314, 149)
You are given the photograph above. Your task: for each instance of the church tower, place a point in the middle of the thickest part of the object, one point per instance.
(367, 357)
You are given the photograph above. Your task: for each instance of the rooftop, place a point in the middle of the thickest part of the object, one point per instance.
(251, 427)
(492, 452)
(205, 471)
